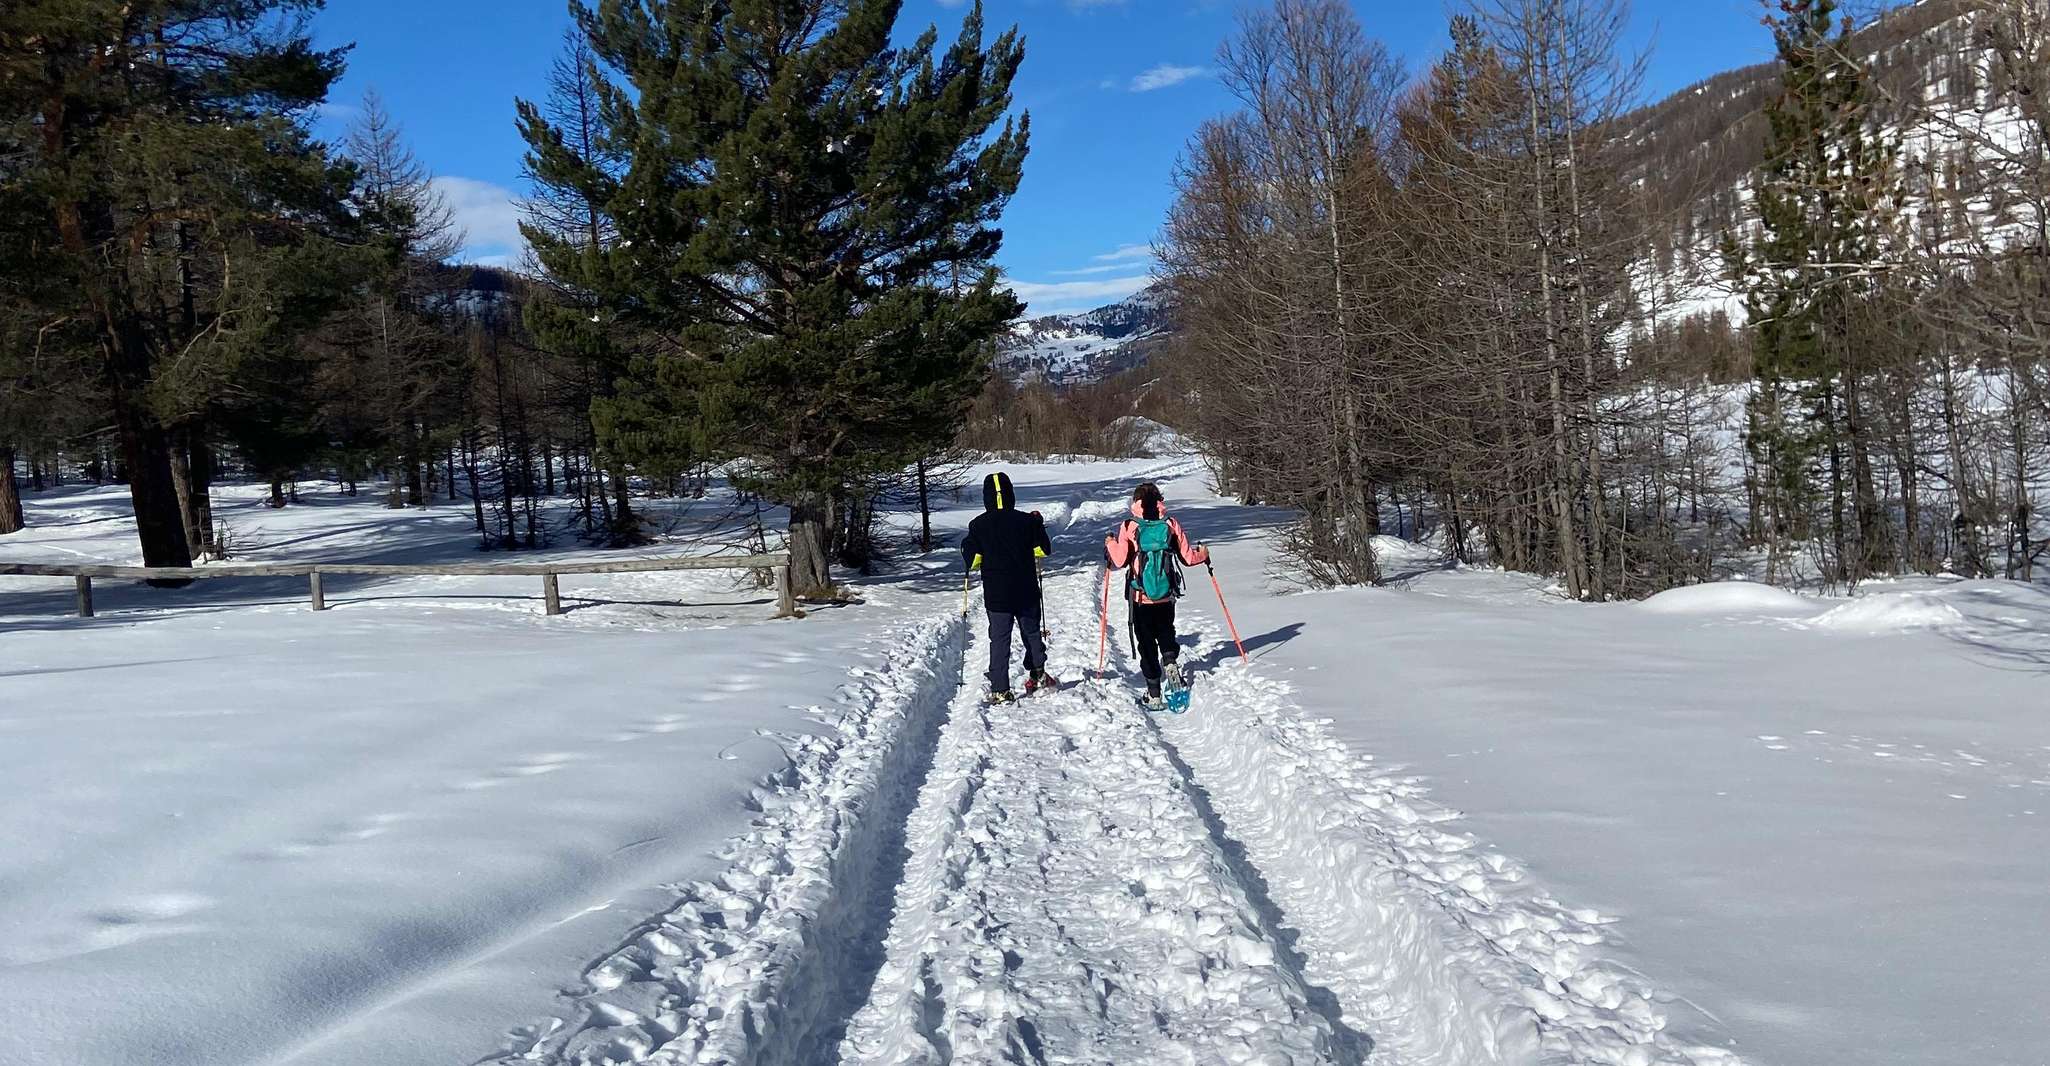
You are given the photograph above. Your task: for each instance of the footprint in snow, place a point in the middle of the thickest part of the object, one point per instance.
(345, 833)
(147, 917)
(535, 766)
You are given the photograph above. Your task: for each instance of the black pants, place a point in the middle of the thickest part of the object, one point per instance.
(1153, 631)
(1000, 623)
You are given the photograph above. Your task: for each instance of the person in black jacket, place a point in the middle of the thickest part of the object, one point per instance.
(1007, 544)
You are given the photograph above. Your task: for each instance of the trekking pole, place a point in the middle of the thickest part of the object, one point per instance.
(1227, 611)
(964, 593)
(1039, 583)
(1103, 630)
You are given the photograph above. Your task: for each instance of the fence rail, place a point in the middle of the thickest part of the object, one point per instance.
(551, 597)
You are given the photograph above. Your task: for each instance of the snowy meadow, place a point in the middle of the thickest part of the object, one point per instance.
(1455, 819)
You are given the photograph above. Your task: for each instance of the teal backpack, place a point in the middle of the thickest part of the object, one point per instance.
(1153, 571)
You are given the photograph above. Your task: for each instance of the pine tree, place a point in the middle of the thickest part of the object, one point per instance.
(1826, 195)
(567, 213)
(410, 359)
(796, 193)
(176, 188)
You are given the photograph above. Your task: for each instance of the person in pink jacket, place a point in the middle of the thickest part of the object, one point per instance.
(1151, 548)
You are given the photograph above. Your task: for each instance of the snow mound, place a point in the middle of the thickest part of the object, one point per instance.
(1728, 598)
(1077, 511)
(1890, 612)
(1391, 550)
(1150, 437)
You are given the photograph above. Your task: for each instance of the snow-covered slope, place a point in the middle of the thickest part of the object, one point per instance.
(1936, 91)
(1077, 349)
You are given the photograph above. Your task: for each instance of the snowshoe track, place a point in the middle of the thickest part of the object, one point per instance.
(1067, 902)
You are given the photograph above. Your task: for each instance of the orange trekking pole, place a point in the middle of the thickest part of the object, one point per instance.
(1227, 612)
(1103, 630)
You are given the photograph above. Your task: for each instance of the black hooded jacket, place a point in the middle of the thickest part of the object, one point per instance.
(1004, 542)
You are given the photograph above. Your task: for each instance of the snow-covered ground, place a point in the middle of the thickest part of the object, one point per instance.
(1451, 821)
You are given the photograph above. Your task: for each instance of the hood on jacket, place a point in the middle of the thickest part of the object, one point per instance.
(997, 493)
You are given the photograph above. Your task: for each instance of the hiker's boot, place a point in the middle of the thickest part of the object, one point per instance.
(1153, 697)
(1174, 677)
(1041, 681)
(1001, 695)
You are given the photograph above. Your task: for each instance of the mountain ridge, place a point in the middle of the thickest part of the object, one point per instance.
(1077, 349)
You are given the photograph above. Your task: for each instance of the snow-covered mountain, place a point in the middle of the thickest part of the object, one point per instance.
(1079, 349)
(1935, 87)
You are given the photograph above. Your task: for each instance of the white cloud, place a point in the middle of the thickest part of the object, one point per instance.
(1041, 296)
(1164, 75)
(1106, 268)
(337, 112)
(488, 215)
(1124, 253)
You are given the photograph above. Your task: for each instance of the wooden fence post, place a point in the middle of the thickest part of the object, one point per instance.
(313, 587)
(85, 596)
(551, 596)
(786, 607)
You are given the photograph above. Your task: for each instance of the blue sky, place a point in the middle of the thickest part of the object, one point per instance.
(1115, 88)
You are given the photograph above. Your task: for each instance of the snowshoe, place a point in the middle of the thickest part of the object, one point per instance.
(1041, 681)
(1177, 699)
(1002, 695)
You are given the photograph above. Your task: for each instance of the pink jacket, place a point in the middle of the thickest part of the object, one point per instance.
(1122, 548)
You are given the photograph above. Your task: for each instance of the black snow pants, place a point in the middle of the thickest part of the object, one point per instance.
(1153, 631)
(1000, 623)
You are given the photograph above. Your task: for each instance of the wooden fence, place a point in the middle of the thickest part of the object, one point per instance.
(551, 597)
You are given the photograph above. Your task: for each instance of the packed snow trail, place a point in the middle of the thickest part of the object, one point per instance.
(1066, 901)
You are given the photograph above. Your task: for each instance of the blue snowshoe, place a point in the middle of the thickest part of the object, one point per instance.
(1177, 700)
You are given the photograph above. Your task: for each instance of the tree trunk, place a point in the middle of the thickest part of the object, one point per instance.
(1872, 538)
(200, 456)
(1968, 556)
(181, 483)
(924, 510)
(476, 497)
(415, 494)
(146, 452)
(624, 523)
(1562, 469)
(506, 490)
(811, 567)
(11, 519)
